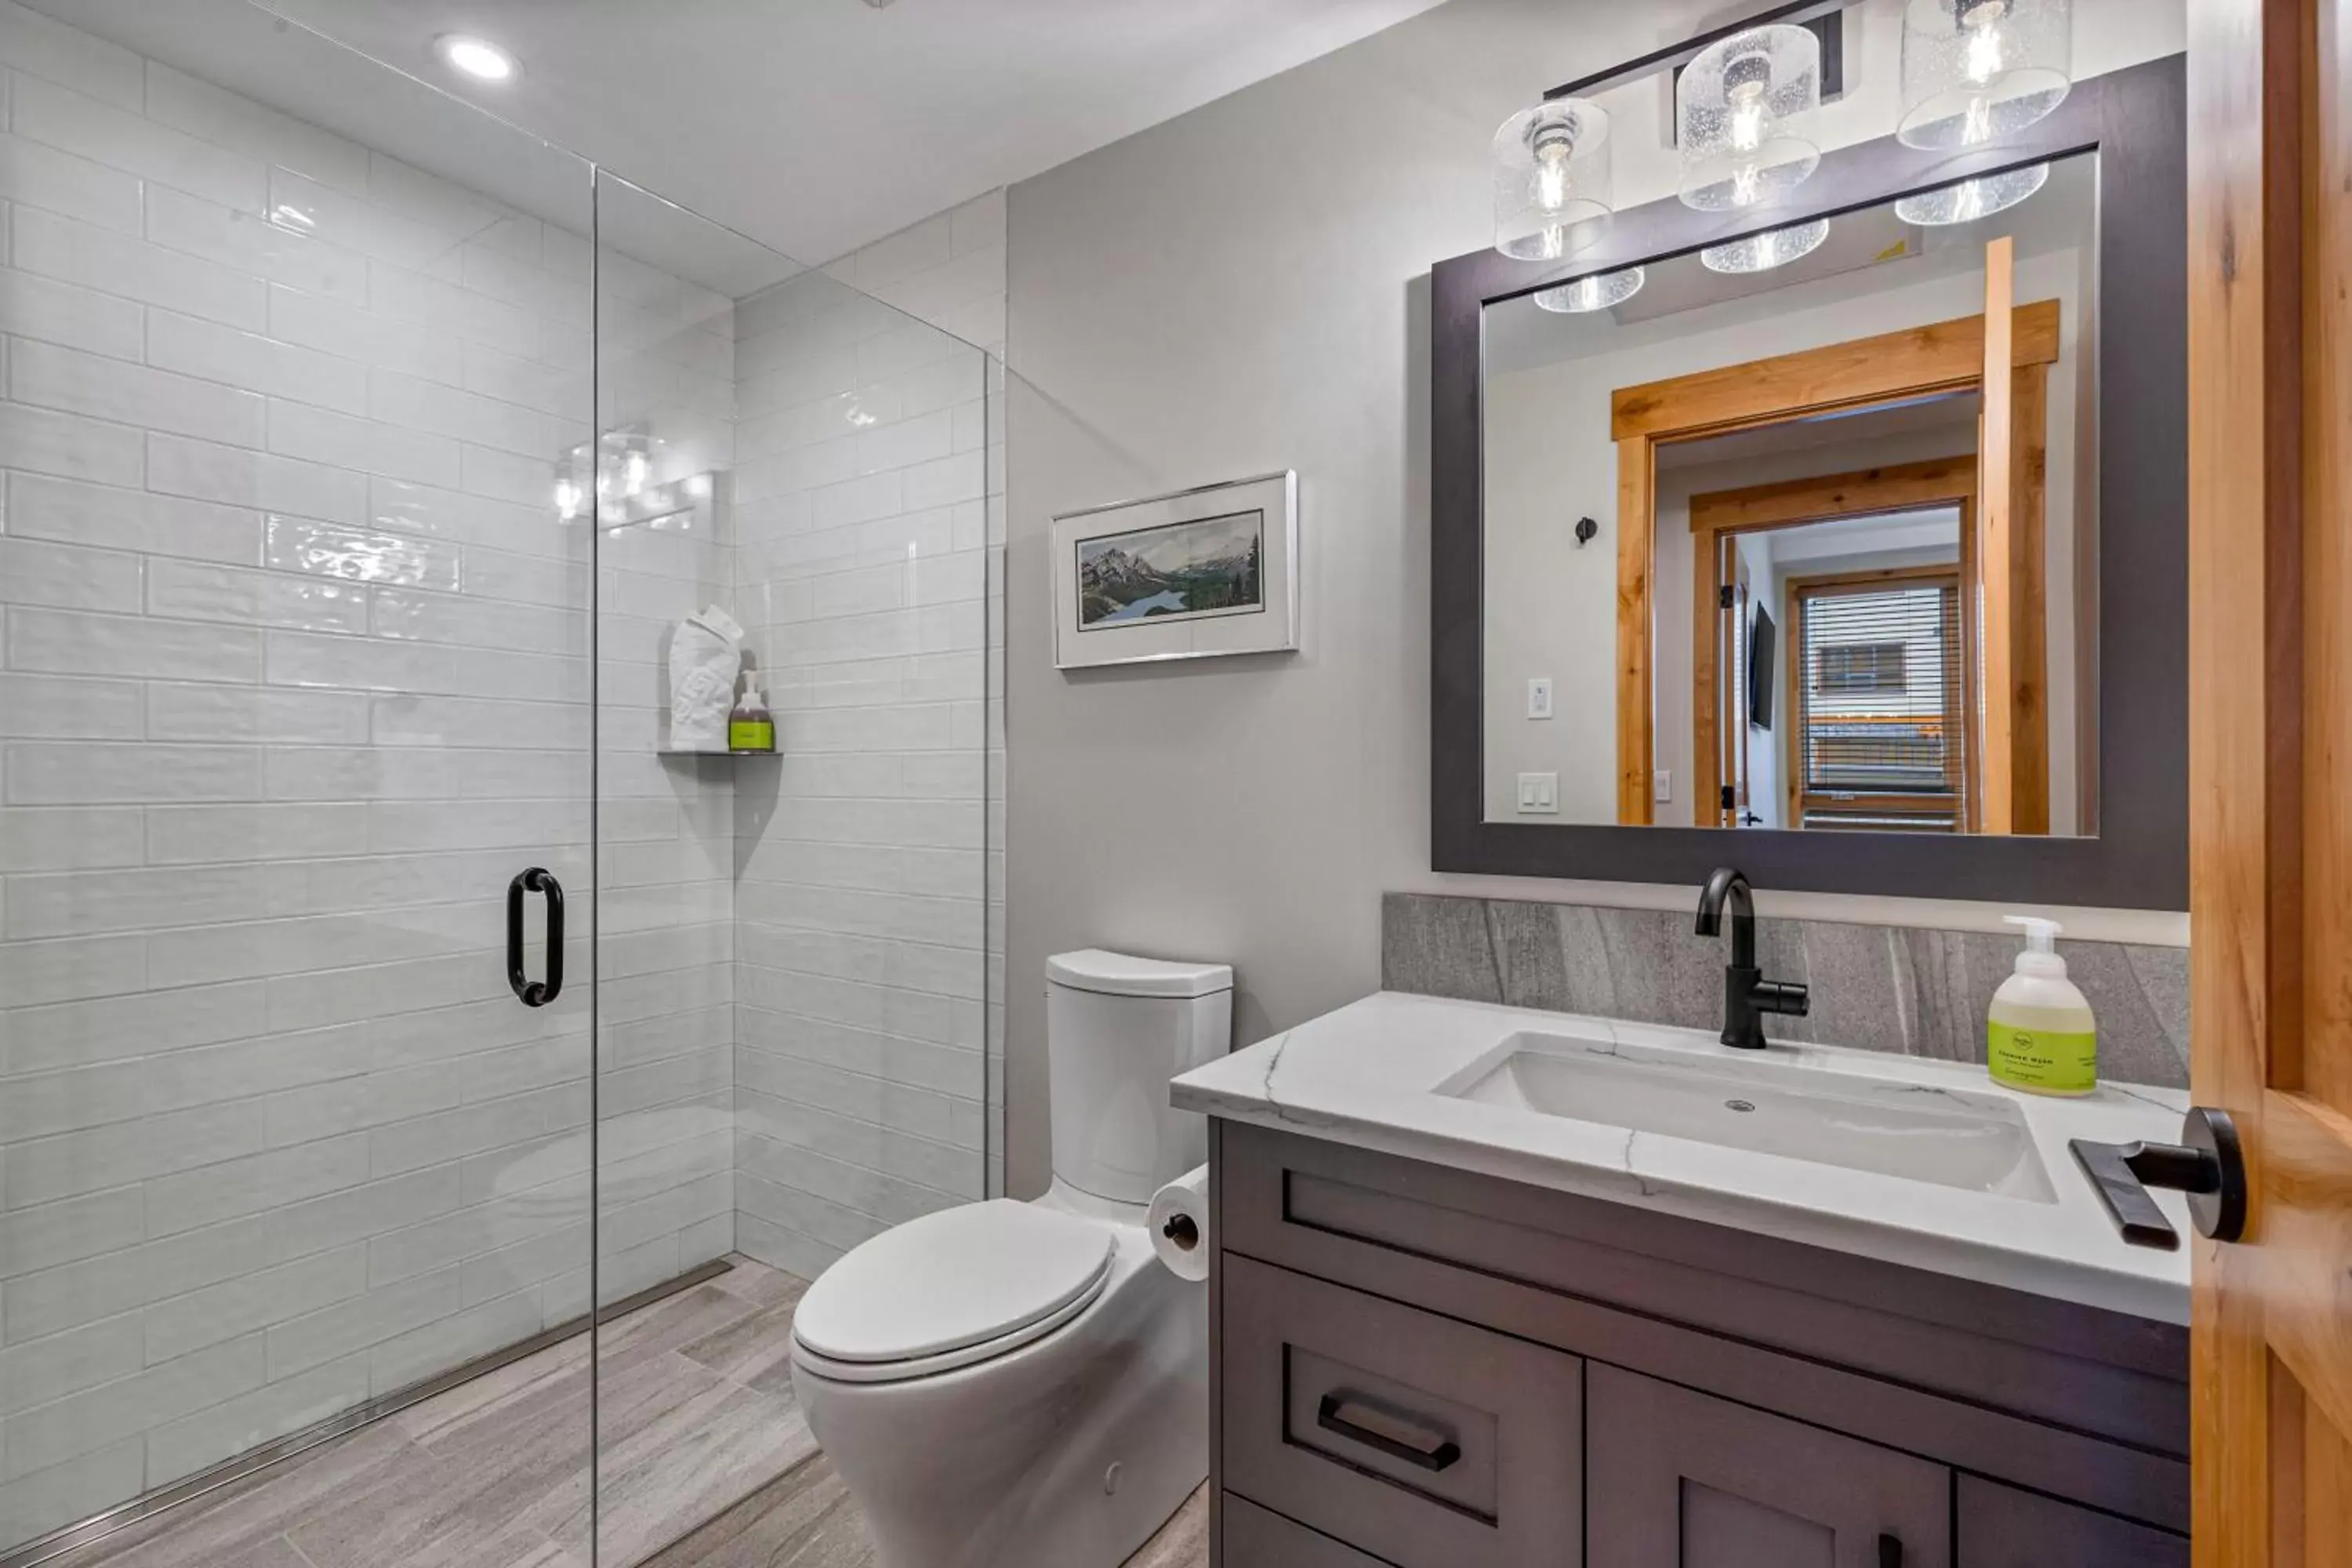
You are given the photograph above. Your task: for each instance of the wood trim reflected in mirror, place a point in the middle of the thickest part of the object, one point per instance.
(1717, 516)
(1941, 358)
(2133, 121)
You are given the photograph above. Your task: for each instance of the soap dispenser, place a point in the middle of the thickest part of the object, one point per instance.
(2039, 1032)
(751, 728)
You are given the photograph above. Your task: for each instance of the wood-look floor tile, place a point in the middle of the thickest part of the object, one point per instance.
(758, 1284)
(756, 1352)
(803, 1519)
(1183, 1541)
(665, 1326)
(680, 1462)
(230, 1526)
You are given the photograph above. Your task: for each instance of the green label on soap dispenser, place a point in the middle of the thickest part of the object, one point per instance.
(2044, 1061)
(752, 735)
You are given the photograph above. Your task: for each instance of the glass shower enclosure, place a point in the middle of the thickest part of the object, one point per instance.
(384, 995)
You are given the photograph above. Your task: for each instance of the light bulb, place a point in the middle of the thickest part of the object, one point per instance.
(633, 473)
(1748, 116)
(1985, 42)
(1551, 180)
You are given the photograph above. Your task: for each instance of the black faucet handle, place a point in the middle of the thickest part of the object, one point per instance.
(1783, 996)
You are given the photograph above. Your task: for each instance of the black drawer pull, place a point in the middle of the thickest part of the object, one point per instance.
(1386, 1434)
(535, 993)
(1890, 1550)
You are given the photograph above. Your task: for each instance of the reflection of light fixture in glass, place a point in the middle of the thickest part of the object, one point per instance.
(1741, 113)
(1972, 199)
(1763, 252)
(1595, 293)
(478, 57)
(1551, 179)
(1977, 70)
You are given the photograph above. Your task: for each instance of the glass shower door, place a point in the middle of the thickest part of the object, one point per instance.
(295, 682)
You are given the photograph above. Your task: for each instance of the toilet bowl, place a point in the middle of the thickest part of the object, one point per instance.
(1025, 1385)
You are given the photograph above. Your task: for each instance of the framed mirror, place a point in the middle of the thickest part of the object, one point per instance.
(1845, 541)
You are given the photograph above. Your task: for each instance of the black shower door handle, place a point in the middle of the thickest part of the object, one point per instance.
(535, 993)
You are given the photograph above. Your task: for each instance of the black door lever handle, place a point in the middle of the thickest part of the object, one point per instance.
(529, 992)
(2208, 1163)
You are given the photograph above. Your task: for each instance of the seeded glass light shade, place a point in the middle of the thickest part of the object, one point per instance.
(1977, 70)
(1743, 115)
(1972, 199)
(1763, 252)
(1551, 179)
(1597, 292)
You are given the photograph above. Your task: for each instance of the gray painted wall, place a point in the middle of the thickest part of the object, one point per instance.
(1245, 287)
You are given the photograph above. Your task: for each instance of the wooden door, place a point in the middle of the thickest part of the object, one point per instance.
(2270, 344)
(1687, 1480)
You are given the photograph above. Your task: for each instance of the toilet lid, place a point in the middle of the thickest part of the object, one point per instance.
(951, 1280)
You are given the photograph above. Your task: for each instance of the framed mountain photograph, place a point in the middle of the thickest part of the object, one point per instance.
(1188, 575)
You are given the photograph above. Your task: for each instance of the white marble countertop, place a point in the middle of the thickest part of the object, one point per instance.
(1373, 1074)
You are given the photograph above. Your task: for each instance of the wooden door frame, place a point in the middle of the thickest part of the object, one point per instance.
(1719, 515)
(1903, 366)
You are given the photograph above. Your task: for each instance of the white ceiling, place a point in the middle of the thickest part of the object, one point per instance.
(814, 126)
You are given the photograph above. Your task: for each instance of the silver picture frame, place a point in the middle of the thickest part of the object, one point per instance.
(1204, 573)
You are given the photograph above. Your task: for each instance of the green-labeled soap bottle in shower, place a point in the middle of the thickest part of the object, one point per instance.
(751, 728)
(2039, 1032)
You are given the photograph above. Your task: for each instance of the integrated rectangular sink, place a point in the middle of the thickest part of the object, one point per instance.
(1952, 1138)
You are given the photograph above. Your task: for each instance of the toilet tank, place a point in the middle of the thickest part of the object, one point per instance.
(1117, 1029)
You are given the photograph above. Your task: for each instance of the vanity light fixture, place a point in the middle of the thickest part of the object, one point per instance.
(1743, 114)
(1551, 179)
(1597, 292)
(1972, 199)
(476, 57)
(1763, 252)
(1977, 70)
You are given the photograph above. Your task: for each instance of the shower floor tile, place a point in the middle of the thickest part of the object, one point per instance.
(704, 1453)
(695, 1411)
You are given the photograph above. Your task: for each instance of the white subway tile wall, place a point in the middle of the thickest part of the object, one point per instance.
(867, 526)
(295, 672)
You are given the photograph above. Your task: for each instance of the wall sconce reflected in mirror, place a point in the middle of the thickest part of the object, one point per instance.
(1763, 252)
(1597, 292)
(1972, 199)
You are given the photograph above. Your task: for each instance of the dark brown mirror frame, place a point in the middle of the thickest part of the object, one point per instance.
(2134, 120)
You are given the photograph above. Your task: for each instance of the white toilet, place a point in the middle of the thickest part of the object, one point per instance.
(1025, 1385)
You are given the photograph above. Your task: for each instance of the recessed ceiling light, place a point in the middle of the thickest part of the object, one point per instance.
(478, 57)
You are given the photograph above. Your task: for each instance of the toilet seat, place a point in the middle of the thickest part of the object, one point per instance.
(950, 1289)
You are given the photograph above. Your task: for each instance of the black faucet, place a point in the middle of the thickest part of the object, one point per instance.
(1747, 994)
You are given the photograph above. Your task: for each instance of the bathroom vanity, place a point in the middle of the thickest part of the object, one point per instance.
(1501, 1287)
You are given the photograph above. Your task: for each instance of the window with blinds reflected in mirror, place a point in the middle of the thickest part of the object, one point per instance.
(1880, 717)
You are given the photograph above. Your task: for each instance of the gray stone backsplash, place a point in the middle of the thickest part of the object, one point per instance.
(1915, 991)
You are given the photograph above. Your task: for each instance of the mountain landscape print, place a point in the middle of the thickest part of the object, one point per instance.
(1204, 566)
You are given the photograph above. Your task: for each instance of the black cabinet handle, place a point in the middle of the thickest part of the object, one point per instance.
(2207, 1164)
(1890, 1550)
(535, 993)
(1386, 1434)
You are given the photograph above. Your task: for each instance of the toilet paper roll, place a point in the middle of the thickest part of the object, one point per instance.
(1179, 1224)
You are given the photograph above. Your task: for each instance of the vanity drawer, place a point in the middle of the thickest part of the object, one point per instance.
(1427, 1441)
(1255, 1538)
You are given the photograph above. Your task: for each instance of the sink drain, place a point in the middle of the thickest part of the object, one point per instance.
(1738, 1105)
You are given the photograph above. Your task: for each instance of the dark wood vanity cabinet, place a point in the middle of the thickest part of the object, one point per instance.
(1424, 1368)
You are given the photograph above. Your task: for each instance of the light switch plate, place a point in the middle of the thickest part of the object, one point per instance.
(1539, 794)
(1661, 785)
(1540, 697)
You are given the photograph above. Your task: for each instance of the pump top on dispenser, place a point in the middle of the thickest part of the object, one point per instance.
(2039, 1032)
